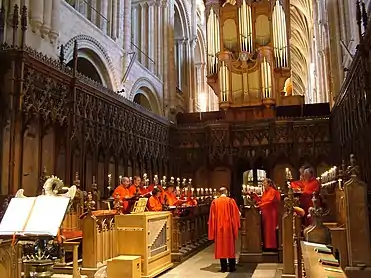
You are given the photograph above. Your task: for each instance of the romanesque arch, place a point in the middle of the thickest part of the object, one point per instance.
(90, 50)
(145, 94)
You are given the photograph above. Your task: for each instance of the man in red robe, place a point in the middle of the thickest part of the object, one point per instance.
(224, 222)
(268, 204)
(123, 192)
(298, 185)
(310, 185)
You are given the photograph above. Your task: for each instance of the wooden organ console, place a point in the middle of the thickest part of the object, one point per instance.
(148, 235)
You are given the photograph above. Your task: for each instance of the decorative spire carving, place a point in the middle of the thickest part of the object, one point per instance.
(290, 201)
(353, 169)
(89, 203)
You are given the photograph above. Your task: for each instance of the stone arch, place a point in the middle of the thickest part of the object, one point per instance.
(144, 87)
(181, 11)
(90, 48)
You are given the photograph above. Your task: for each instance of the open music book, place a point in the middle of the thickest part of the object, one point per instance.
(34, 216)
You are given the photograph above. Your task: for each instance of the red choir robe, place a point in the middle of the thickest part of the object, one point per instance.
(123, 194)
(298, 185)
(170, 198)
(310, 187)
(154, 204)
(224, 222)
(268, 205)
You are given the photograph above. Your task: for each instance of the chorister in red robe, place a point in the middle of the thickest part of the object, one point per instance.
(268, 205)
(224, 222)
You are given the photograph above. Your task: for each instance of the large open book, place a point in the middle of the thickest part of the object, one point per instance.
(34, 216)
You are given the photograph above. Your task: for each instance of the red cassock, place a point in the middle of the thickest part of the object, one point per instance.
(123, 193)
(268, 205)
(309, 188)
(297, 185)
(224, 222)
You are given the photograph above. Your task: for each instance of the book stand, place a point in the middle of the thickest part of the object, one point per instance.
(34, 222)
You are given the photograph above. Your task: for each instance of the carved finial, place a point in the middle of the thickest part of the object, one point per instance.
(89, 203)
(291, 201)
(353, 169)
(359, 18)
(117, 204)
(15, 23)
(61, 54)
(316, 211)
(77, 180)
(364, 15)
(75, 55)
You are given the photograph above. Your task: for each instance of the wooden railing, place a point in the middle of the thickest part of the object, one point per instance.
(189, 232)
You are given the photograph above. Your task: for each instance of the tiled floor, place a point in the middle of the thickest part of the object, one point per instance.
(203, 265)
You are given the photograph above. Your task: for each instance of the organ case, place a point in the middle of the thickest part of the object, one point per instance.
(148, 235)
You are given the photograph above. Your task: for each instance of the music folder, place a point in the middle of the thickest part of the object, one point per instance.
(34, 216)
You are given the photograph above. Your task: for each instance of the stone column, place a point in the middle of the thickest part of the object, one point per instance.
(54, 27)
(109, 18)
(93, 12)
(114, 20)
(144, 33)
(192, 76)
(160, 39)
(179, 63)
(37, 14)
(127, 32)
(151, 35)
(45, 28)
(169, 54)
(103, 20)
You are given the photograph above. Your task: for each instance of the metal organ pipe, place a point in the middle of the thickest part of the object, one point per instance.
(280, 36)
(213, 42)
(245, 27)
(266, 78)
(224, 81)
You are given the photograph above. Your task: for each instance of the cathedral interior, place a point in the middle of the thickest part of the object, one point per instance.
(200, 94)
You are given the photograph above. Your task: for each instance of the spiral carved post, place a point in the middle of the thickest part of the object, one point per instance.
(288, 234)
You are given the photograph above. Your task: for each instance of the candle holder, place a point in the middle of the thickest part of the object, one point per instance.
(109, 183)
(155, 180)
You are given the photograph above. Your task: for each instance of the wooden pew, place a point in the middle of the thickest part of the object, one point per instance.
(189, 232)
(313, 268)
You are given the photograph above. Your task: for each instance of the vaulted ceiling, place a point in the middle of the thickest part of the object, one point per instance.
(301, 21)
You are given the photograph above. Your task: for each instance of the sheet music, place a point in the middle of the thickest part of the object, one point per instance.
(47, 215)
(16, 215)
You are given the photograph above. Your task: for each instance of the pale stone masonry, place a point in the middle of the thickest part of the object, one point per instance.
(108, 32)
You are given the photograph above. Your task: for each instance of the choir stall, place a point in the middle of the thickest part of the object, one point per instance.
(251, 231)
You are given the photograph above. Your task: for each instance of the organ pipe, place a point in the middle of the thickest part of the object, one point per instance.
(280, 36)
(245, 27)
(224, 81)
(266, 78)
(213, 42)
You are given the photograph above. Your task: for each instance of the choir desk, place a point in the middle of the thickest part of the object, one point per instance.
(148, 235)
(313, 268)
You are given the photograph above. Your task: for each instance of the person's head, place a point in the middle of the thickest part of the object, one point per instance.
(125, 181)
(156, 192)
(223, 190)
(137, 180)
(170, 188)
(302, 169)
(268, 183)
(308, 174)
